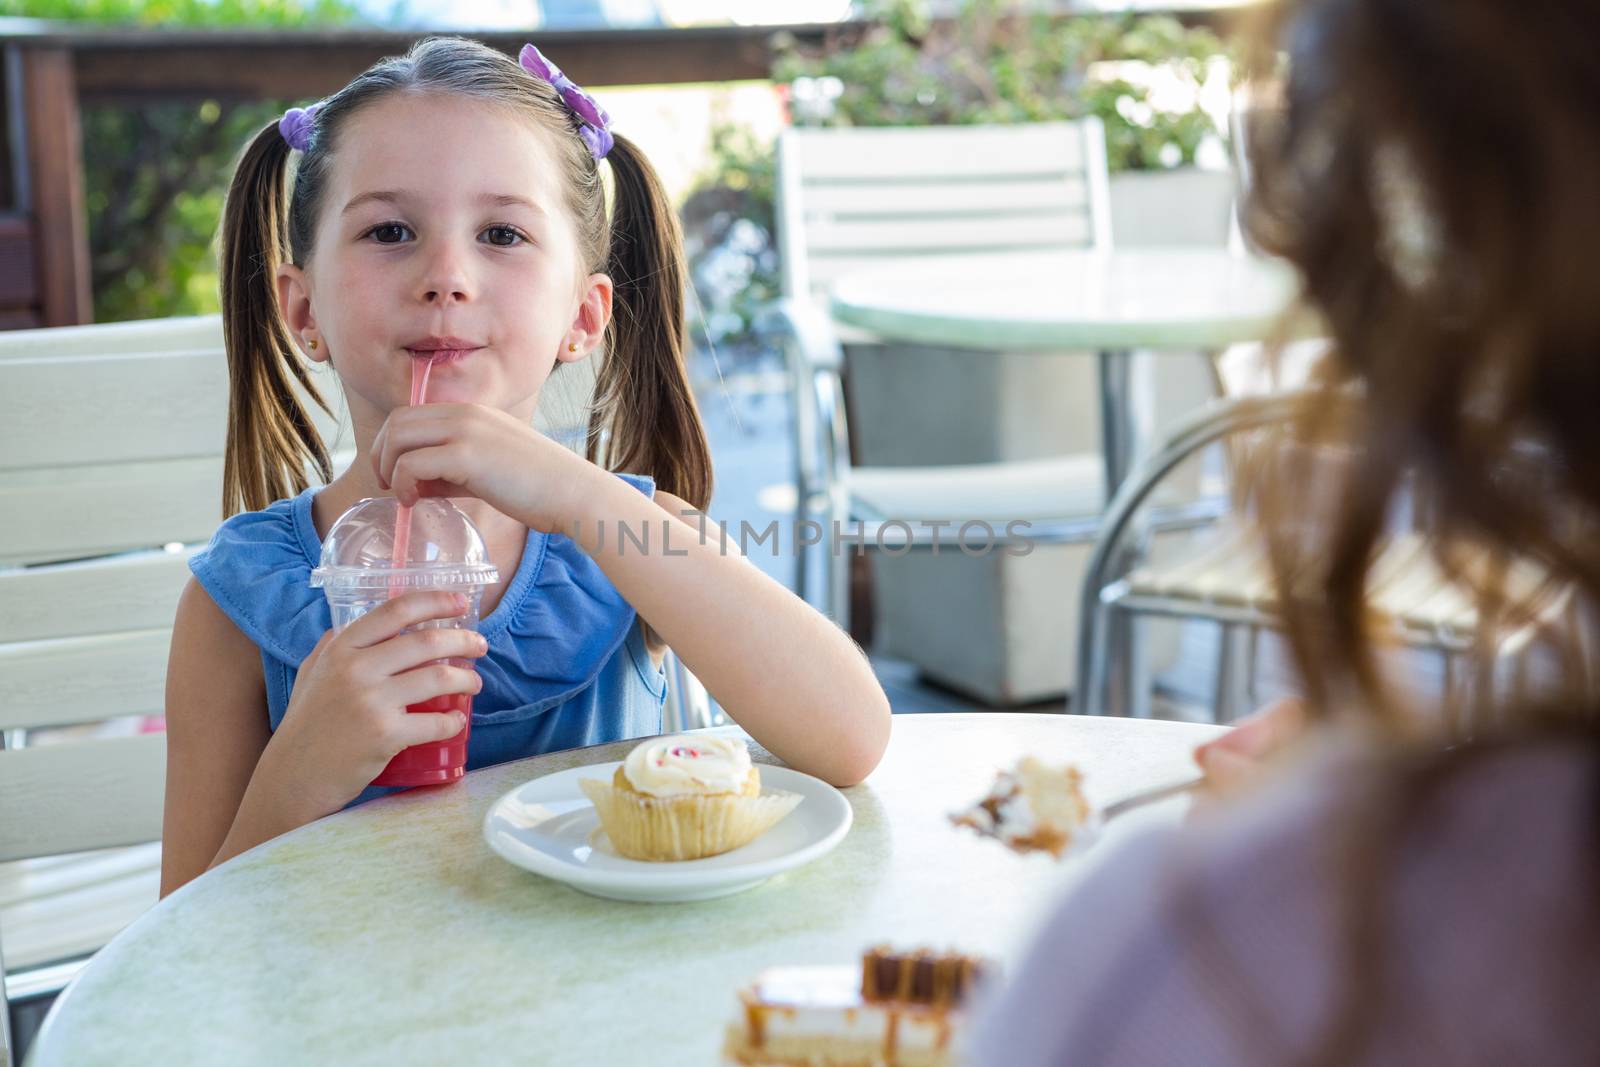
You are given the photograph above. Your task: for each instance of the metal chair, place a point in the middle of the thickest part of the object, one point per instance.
(1226, 579)
(688, 706)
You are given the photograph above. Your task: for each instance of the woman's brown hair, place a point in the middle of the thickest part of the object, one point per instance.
(1432, 177)
(1432, 174)
(644, 419)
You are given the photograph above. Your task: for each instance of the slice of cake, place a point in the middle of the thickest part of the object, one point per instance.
(1037, 807)
(894, 1010)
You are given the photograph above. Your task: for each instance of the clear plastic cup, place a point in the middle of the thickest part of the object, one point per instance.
(359, 571)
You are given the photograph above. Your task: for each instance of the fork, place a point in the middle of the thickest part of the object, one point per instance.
(1149, 796)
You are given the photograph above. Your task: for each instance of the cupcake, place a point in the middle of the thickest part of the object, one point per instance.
(685, 798)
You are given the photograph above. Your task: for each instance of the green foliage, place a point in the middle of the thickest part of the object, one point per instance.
(729, 238)
(185, 12)
(1000, 61)
(155, 171)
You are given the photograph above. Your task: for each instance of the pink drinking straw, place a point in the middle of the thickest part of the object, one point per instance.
(402, 514)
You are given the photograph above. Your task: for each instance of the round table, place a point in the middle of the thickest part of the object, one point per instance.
(1112, 302)
(390, 933)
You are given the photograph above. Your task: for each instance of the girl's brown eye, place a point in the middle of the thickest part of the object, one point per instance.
(503, 236)
(388, 233)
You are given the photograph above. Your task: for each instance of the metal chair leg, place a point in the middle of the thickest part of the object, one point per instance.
(836, 567)
(7, 1050)
(1089, 697)
(1235, 664)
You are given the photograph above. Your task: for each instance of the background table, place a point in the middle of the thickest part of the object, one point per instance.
(391, 934)
(1110, 302)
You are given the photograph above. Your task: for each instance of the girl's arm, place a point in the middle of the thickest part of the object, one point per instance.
(790, 677)
(786, 674)
(216, 731)
(232, 783)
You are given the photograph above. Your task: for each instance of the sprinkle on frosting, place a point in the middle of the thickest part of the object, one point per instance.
(675, 765)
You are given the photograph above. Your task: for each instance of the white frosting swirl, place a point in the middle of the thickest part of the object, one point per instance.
(677, 764)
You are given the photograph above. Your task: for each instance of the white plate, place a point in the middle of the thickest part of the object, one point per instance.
(549, 827)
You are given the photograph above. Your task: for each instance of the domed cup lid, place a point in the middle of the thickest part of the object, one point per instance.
(446, 551)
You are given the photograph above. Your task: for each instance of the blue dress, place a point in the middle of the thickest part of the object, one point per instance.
(567, 664)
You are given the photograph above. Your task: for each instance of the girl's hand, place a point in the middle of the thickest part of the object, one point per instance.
(472, 450)
(1236, 758)
(347, 715)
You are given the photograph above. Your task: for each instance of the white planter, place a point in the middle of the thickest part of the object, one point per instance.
(1185, 206)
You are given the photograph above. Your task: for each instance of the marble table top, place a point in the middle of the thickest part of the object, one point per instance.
(1180, 298)
(390, 933)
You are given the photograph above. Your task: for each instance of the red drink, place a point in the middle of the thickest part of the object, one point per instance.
(436, 762)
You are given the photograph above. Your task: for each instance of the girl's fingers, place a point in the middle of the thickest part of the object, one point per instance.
(410, 428)
(433, 680)
(1240, 753)
(408, 609)
(412, 471)
(409, 650)
(423, 727)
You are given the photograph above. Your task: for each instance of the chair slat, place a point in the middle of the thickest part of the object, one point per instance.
(940, 151)
(71, 513)
(1000, 196)
(101, 596)
(77, 512)
(167, 407)
(928, 235)
(827, 268)
(83, 679)
(122, 338)
(76, 904)
(81, 795)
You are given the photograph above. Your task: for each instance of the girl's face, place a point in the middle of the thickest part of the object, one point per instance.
(444, 227)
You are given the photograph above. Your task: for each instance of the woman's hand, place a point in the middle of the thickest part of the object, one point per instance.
(347, 715)
(472, 450)
(1236, 758)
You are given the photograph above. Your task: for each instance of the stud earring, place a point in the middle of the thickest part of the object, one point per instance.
(313, 343)
(572, 346)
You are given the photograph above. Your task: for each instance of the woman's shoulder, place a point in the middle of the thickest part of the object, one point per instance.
(1249, 908)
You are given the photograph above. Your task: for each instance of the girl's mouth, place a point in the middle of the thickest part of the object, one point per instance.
(437, 356)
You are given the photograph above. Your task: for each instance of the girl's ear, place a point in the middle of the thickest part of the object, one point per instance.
(294, 303)
(589, 324)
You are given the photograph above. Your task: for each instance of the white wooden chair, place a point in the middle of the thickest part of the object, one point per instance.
(860, 198)
(110, 478)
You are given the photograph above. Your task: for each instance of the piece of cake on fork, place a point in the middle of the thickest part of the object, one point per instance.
(894, 1010)
(1036, 807)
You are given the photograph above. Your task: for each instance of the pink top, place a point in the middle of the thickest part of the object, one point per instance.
(1223, 943)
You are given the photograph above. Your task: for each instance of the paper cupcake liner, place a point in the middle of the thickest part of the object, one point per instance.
(643, 827)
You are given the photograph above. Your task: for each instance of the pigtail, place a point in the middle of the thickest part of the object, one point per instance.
(271, 438)
(642, 387)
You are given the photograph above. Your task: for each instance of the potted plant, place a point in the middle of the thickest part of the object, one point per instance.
(999, 61)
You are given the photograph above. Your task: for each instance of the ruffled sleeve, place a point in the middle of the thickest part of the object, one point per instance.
(258, 571)
(554, 636)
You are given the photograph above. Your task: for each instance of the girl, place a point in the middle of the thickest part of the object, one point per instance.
(449, 204)
(1398, 891)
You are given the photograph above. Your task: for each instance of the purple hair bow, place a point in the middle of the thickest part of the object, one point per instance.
(596, 124)
(296, 126)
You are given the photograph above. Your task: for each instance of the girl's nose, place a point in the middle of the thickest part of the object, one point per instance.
(445, 281)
